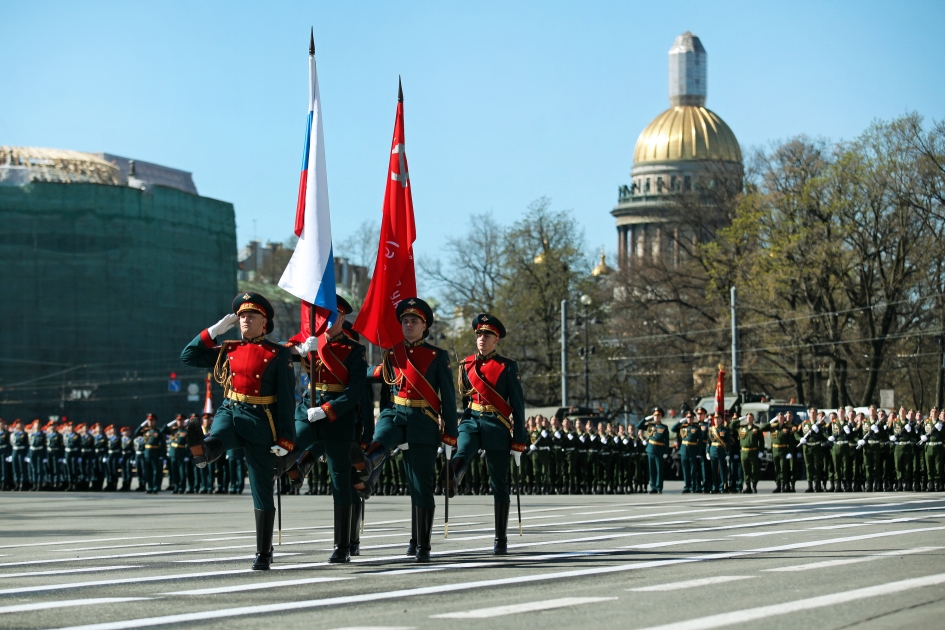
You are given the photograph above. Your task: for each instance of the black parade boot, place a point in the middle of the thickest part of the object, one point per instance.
(424, 533)
(501, 546)
(264, 522)
(203, 450)
(412, 545)
(458, 467)
(342, 552)
(357, 513)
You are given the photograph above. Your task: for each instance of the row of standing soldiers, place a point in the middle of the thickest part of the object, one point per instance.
(60, 456)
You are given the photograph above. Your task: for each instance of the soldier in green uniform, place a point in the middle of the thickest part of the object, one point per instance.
(751, 443)
(6, 451)
(421, 392)
(781, 445)
(326, 417)
(258, 413)
(153, 446)
(592, 446)
(657, 450)
(904, 437)
(560, 464)
(177, 452)
(493, 420)
(542, 456)
(127, 458)
(687, 435)
(918, 453)
(934, 434)
(569, 457)
(112, 458)
(19, 440)
(55, 457)
(813, 436)
(36, 455)
(718, 443)
(840, 434)
(873, 439)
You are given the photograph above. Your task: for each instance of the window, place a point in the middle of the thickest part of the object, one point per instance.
(687, 182)
(646, 187)
(659, 184)
(674, 183)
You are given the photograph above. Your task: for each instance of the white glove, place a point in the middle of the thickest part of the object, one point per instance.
(626, 441)
(815, 429)
(309, 345)
(831, 439)
(761, 455)
(448, 450)
(603, 440)
(582, 438)
(558, 434)
(544, 433)
(803, 441)
(278, 451)
(846, 429)
(938, 425)
(439, 451)
(908, 428)
(707, 456)
(571, 436)
(788, 456)
(923, 439)
(860, 442)
(315, 414)
(875, 428)
(533, 448)
(404, 446)
(223, 325)
(27, 460)
(893, 438)
(517, 456)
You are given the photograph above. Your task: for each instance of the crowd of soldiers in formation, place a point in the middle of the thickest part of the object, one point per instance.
(58, 456)
(837, 451)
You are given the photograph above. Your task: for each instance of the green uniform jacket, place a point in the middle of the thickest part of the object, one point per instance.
(268, 367)
(421, 428)
(749, 437)
(657, 439)
(782, 435)
(501, 373)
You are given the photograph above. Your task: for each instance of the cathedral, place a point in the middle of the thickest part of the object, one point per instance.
(684, 145)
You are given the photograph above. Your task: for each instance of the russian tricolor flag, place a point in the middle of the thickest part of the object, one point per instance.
(310, 275)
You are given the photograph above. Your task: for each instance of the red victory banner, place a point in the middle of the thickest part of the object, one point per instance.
(394, 276)
(720, 393)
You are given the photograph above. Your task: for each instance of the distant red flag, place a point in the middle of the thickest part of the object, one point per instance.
(394, 276)
(720, 393)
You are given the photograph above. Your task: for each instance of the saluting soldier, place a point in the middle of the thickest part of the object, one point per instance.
(421, 393)
(127, 458)
(717, 453)
(177, 455)
(904, 437)
(781, 445)
(138, 441)
(657, 450)
(935, 449)
(813, 436)
(153, 443)
(493, 419)
(751, 443)
(688, 434)
(841, 435)
(258, 413)
(328, 414)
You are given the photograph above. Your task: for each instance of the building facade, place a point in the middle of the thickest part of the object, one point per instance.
(685, 146)
(109, 267)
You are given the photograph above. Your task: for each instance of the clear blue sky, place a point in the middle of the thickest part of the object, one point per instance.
(505, 101)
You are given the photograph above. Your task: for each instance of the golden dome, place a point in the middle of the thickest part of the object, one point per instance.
(601, 269)
(687, 132)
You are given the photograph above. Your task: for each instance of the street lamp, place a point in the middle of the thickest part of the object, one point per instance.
(585, 302)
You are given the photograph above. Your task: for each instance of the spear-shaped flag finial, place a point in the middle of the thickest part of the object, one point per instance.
(400, 90)
(311, 43)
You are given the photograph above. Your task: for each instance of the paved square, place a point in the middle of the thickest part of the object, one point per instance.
(111, 561)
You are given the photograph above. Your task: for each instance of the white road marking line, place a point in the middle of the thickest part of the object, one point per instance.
(842, 561)
(499, 611)
(676, 586)
(278, 554)
(439, 567)
(256, 586)
(669, 543)
(147, 578)
(809, 603)
(17, 608)
(465, 586)
(119, 567)
(600, 512)
(377, 628)
(151, 544)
